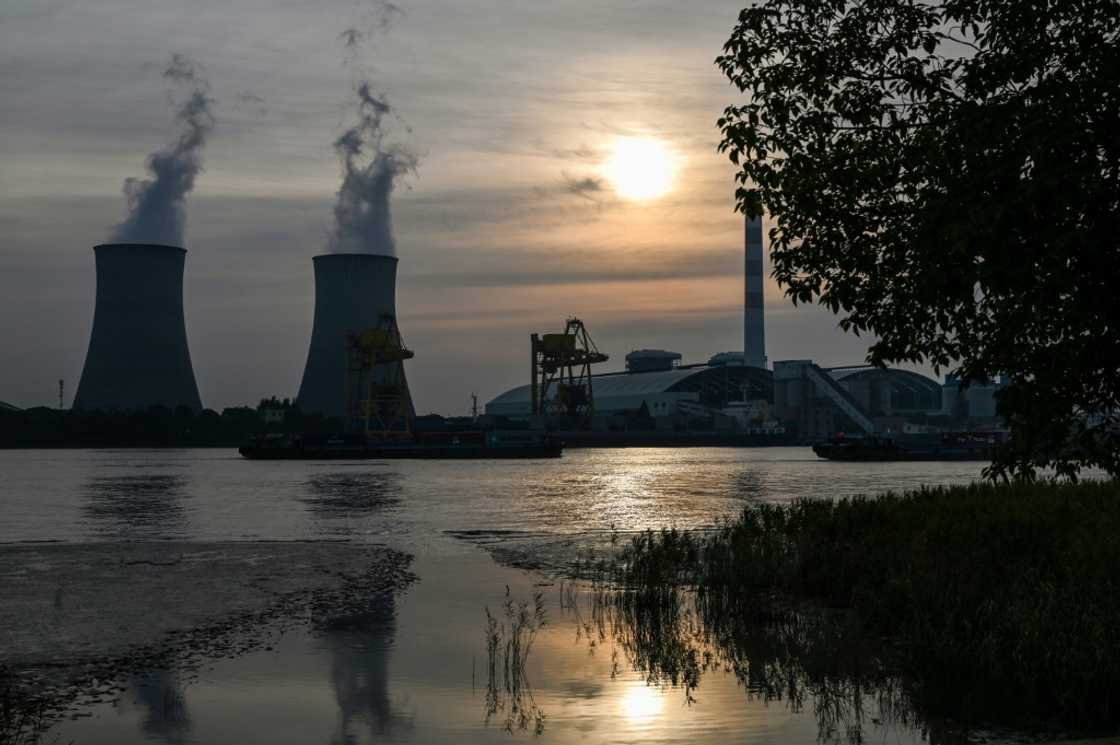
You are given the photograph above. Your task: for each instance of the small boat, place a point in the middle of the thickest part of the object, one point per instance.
(473, 445)
(948, 446)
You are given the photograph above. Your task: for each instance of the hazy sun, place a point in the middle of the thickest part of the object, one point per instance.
(639, 168)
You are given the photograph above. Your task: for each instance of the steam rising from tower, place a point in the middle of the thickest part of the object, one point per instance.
(138, 355)
(156, 209)
(355, 282)
(361, 215)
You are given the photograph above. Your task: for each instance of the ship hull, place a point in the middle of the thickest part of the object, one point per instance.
(410, 452)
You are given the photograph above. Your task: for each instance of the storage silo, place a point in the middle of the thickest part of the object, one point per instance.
(138, 355)
(353, 292)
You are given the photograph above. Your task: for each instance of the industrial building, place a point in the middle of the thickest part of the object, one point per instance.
(659, 392)
(731, 392)
(799, 400)
(818, 402)
(977, 401)
(799, 397)
(354, 292)
(138, 355)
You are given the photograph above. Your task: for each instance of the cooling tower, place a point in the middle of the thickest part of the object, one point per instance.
(138, 355)
(754, 322)
(353, 292)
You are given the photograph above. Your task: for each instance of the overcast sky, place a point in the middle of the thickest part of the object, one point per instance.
(509, 104)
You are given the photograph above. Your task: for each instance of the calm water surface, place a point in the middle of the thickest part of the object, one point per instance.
(207, 495)
(417, 672)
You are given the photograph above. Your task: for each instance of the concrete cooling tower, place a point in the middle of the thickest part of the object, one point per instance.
(353, 292)
(138, 355)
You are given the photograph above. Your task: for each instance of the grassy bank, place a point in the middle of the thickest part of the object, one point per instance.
(995, 601)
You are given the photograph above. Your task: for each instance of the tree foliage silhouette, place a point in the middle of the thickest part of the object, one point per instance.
(945, 176)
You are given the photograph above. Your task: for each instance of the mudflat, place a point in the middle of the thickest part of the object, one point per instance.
(77, 619)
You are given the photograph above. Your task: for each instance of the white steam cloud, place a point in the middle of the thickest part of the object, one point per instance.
(370, 166)
(156, 205)
(369, 172)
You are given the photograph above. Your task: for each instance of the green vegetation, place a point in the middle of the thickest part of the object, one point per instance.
(945, 176)
(993, 602)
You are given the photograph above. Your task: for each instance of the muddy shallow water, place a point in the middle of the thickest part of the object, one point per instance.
(415, 666)
(418, 672)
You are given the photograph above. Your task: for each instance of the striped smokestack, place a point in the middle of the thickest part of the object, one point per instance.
(754, 322)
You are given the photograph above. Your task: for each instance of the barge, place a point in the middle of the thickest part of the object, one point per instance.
(476, 445)
(951, 446)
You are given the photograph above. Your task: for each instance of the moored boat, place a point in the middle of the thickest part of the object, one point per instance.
(444, 445)
(949, 446)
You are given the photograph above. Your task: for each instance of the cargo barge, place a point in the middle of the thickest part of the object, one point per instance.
(441, 446)
(654, 439)
(952, 446)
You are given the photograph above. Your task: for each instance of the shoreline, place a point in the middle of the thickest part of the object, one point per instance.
(80, 619)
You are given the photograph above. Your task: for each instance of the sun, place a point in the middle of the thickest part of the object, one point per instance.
(639, 168)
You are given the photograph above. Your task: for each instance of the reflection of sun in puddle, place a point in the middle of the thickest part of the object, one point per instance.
(641, 703)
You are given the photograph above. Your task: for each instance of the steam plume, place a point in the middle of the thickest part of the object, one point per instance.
(156, 209)
(370, 170)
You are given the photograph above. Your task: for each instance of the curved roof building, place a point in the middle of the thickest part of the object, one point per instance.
(621, 392)
(889, 391)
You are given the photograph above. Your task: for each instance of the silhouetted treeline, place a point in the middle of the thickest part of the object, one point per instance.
(159, 426)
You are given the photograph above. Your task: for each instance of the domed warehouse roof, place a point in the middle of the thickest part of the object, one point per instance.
(623, 391)
(889, 391)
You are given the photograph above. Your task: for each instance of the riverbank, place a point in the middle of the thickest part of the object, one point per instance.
(997, 602)
(78, 620)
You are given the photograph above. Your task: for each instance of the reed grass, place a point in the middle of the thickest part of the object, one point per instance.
(998, 602)
(23, 719)
(509, 640)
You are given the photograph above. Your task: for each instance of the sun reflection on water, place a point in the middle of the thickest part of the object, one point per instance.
(641, 703)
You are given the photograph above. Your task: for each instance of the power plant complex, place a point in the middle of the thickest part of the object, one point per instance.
(138, 357)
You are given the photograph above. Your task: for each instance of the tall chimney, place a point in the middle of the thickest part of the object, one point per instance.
(754, 322)
(353, 292)
(138, 355)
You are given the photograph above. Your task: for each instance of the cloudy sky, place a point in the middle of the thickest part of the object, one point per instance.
(514, 221)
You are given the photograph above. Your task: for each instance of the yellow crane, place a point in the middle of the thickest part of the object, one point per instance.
(377, 400)
(564, 360)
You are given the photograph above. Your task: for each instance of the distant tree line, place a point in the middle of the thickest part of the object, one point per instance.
(158, 426)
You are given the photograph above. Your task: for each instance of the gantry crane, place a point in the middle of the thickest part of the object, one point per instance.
(564, 361)
(377, 400)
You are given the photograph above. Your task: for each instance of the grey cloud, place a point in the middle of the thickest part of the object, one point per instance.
(587, 186)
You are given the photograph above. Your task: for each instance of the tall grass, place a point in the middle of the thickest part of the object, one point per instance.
(23, 719)
(509, 640)
(998, 601)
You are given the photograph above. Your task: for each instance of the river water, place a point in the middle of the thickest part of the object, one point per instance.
(418, 670)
